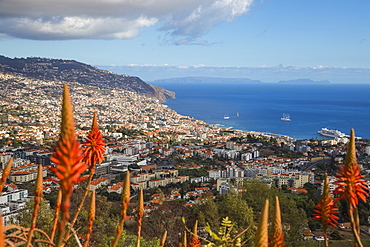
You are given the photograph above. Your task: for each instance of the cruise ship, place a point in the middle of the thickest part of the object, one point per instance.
(331, 133)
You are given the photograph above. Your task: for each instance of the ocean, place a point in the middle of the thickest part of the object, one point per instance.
(259, 107)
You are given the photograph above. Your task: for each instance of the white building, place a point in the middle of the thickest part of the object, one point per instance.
(367, 150)
(11, 203)
(214, 174)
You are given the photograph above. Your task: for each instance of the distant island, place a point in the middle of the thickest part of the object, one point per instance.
(201, 79)
(304, 81)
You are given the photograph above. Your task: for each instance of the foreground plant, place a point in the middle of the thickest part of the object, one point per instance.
(351, 187)
(2, 235)
(140, 215)
(125, 200)
(5, 174)
(67, 158)
(184, 240)
(194, 240)
(37, 198)
(91, 219)
(18, 235)
(224, 236)
(325, 211)
(93, 154)
(276, 238)
(163, 239)
(21, 236)
(70, 161)
(94, 146)
(261, 239)
(56, 216)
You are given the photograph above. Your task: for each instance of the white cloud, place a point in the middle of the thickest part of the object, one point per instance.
(115, 19)
(71, 27)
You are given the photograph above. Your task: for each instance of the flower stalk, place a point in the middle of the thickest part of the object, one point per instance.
(125, 199)
(56, 216)
(67, 159)
(140, 215)
(36, 207)
(91, 218)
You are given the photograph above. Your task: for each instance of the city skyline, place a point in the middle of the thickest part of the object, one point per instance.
(278, 38)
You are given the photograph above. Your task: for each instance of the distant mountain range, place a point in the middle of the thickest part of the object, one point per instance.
(200, 79)
(73, 71)
(304, 81)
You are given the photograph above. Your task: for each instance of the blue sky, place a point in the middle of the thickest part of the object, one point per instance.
(309, 38)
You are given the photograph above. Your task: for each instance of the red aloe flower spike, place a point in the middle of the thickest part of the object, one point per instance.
(325, 211)
(67, 158)
(37, 198)
(5, 174)
(94, 146)
(277, 236)
(262, 231)
(194, 241)
(351, 186)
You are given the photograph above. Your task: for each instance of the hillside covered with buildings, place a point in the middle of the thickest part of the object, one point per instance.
(179, 161)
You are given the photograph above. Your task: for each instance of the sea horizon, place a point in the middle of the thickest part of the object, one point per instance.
(260, 107)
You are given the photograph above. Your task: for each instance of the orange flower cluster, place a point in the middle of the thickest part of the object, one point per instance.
(194, 241)
(94, 146)
(67, 154)
(351, 186)
(324, 210)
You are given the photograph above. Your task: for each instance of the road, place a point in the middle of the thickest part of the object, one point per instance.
(310, 165)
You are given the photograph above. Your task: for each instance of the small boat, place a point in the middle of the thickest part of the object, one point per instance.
(226, 117)
(237, 114)
(286, 117)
